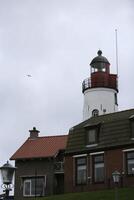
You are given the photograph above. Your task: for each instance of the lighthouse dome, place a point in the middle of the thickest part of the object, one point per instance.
(99, 60)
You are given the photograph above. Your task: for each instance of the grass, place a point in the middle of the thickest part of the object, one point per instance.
(123, 194)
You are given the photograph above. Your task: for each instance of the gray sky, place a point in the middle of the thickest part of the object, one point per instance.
(54, 41)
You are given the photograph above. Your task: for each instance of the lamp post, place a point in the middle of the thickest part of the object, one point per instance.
(116, 179)
(7, 172)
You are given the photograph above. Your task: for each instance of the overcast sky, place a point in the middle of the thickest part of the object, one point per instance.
(54, 41)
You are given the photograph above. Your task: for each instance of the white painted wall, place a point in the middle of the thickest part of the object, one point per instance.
(99, 98)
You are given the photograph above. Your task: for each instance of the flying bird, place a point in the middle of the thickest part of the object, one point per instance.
(29, 75)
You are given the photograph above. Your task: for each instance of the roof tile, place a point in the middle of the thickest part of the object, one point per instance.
(114, 131)
(40, 147)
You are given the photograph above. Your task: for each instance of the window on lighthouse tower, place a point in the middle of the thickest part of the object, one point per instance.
(95, 112)
(115, 97)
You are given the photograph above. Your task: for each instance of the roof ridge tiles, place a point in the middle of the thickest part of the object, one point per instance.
(52, 136)
(45, 137)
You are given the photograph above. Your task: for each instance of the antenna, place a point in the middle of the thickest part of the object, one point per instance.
(116, 41)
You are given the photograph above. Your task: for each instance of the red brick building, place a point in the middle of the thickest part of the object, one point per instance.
(40, 166)
(96, 148)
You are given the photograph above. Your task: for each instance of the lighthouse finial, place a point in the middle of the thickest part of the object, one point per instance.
(99, 52)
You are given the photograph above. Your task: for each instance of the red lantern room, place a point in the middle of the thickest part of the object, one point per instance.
(100, 74)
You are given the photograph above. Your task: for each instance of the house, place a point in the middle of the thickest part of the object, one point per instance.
(40, 166)
(104, 142)
(96, 148)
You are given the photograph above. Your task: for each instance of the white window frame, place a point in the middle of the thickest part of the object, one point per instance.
(80, 167)
(79, 155)
(28, 180)
(129, 161)
(97, 164)
(24, 187)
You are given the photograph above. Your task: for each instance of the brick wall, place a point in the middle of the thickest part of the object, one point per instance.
(113, 160)
(31, 168)
(68, 174)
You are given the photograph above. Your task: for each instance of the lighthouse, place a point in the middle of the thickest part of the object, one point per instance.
(100, 89)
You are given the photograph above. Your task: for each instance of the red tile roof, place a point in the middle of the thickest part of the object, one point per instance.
(41, 147)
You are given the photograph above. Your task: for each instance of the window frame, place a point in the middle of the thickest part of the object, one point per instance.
(88, 136)
(29, 180)
(24, 185)
(96, 128)
(132, 128)
(115, 99)
(76, 170)
(127, 160)
(95, 113)
(94, 164)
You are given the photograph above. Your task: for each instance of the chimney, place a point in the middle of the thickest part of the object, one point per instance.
(34, 133)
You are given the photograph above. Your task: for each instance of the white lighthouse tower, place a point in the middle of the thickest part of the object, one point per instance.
(100, 90)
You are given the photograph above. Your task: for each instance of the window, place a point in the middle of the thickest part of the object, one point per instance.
(91, 136)
(98, 168)
(95, 112)
(115, 98)
(34, 186)
(132, 128)
(81, 170)
(130, 162)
